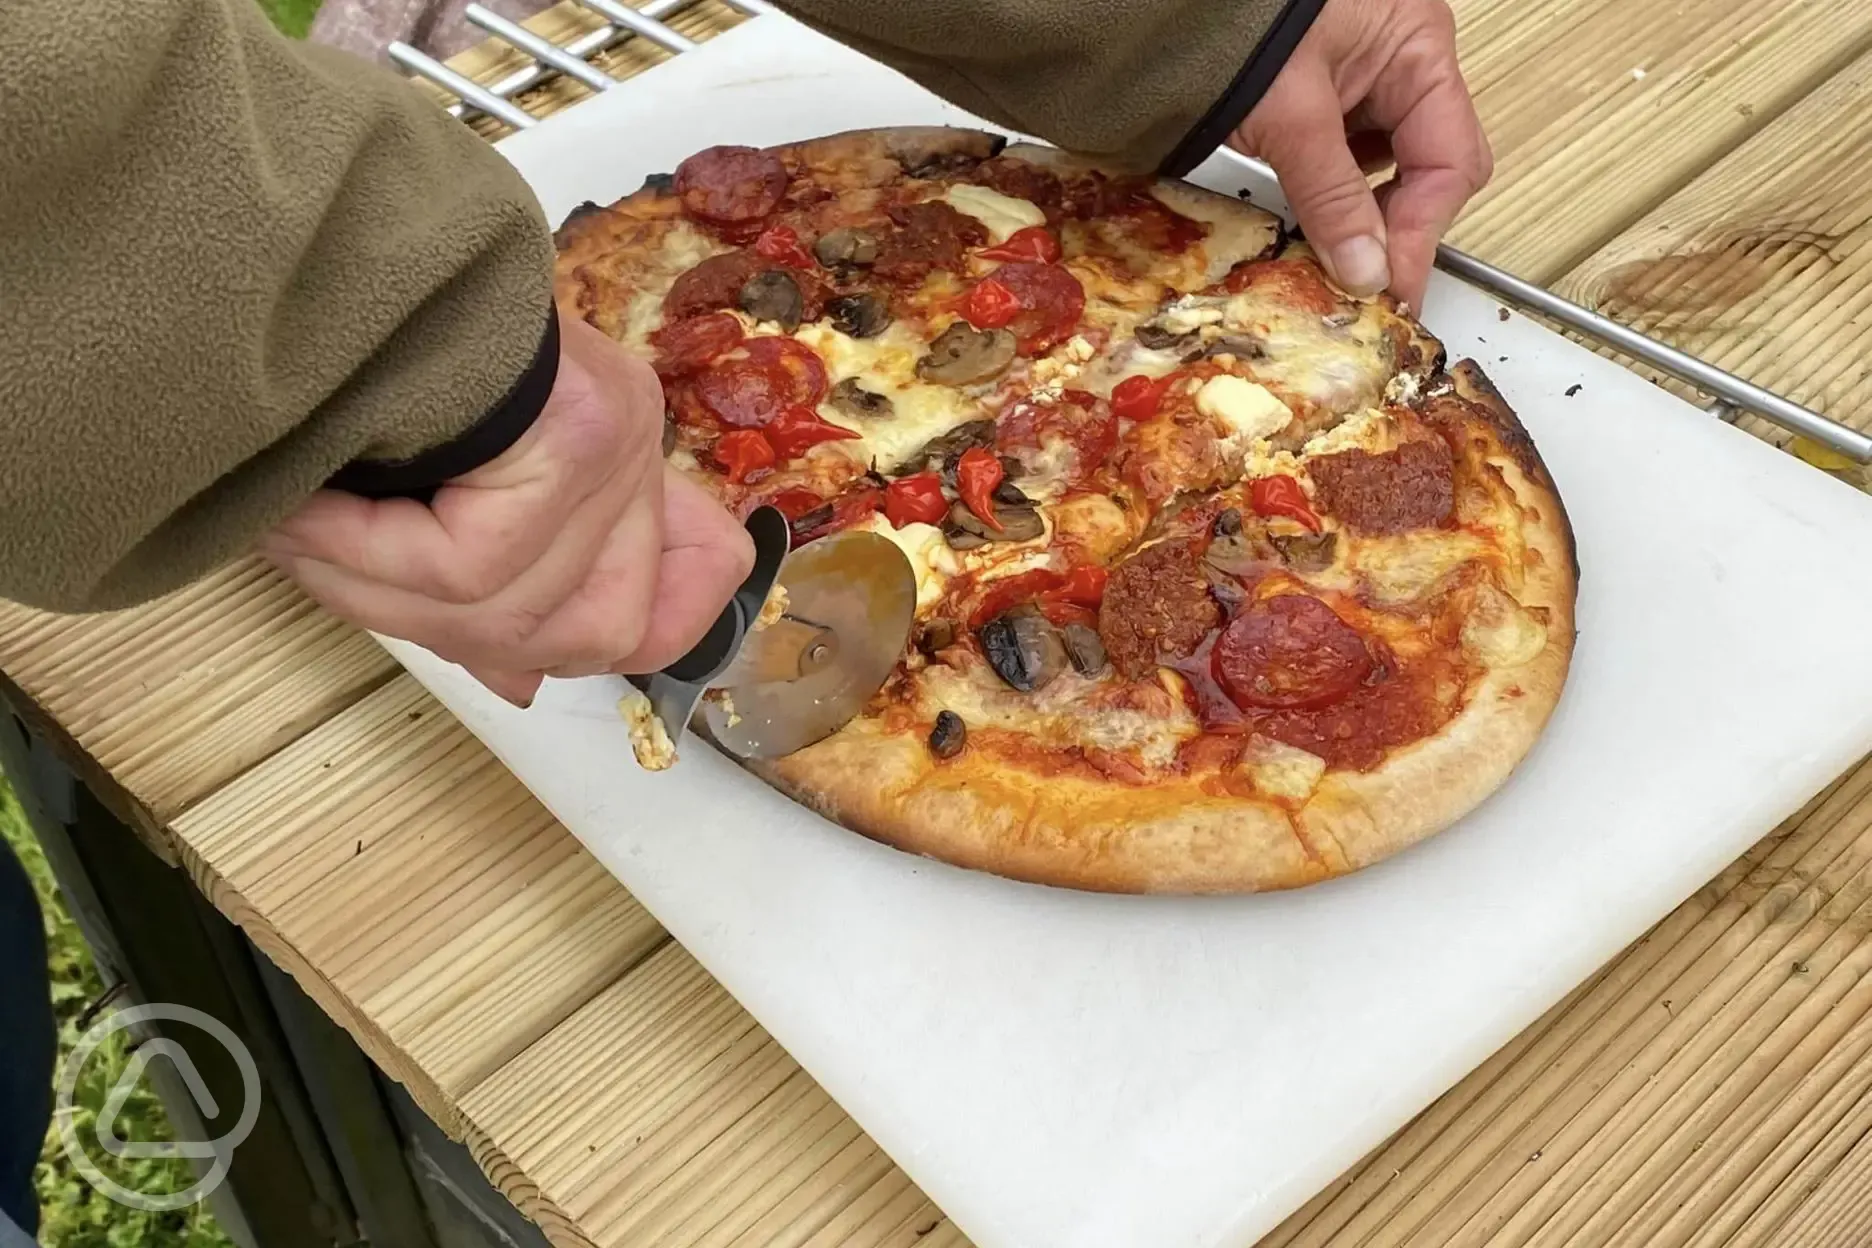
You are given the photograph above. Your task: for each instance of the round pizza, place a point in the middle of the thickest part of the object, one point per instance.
(1225, 581)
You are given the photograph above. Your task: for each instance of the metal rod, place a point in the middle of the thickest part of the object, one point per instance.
(542, 50)
(1730, 391)
(645, 25)
(1726, 387)
(585, 46)
(470, 91)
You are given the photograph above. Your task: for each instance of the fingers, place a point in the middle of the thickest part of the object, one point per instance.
(1443, 157)
(1299, 129)
(706, 556)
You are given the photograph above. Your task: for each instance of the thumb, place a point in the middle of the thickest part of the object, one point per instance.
(1299, 129)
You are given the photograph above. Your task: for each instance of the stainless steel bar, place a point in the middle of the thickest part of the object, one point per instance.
(585, 46)
(645, 25)
(1730, 391)
(543, 50)
(469, 90)
(1726, 387)
(753, 8)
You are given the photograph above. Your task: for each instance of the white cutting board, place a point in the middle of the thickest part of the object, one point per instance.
(1068, 1071)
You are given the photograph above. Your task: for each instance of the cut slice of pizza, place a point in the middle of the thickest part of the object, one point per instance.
(1225, 583)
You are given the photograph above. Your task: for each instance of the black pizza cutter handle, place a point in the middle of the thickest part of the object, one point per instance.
(674, 691)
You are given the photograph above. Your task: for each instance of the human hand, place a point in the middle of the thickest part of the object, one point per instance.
(1373, 81)
(575, 553)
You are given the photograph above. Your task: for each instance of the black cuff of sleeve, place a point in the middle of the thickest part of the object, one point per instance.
(1247, 89)
(420, 476)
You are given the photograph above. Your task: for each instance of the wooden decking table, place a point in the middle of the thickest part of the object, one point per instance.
(1701, 169)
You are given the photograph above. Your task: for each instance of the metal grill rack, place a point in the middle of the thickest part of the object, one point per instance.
(1731, 395)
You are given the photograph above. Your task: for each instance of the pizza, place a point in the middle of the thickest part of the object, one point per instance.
(1225, 581)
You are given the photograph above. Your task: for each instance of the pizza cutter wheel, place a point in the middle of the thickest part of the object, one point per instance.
(764, 690)
(850, 604)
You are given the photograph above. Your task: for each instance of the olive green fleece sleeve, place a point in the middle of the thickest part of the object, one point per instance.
(1153, 85)
(230, 266)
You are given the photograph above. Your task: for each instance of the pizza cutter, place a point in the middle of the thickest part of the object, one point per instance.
(781, 685)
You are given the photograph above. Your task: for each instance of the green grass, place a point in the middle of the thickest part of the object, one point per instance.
(73, 1214)
(292, 16)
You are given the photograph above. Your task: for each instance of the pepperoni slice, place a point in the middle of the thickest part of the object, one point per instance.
(806, 372)
(1292, 652)
(731, 185)
(775, 374)
(711, 285)
(1051, 303)
(688, 346)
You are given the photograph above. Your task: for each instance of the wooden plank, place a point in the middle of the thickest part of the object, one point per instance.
(170, 701)
(1763, 264)
(661, 1114)
(1583, 147)
(1673, 1095)
(491, 61)
(417, 891)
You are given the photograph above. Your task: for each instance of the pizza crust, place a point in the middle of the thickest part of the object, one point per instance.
(1171, 836)
(1174, 837)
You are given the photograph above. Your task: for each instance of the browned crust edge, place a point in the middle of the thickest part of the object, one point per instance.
(1174, 837)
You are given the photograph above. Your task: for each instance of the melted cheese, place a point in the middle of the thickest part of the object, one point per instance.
(1500, 631)
(886, 365)
(1056, 716)
(771, 610)
(1237, 231)
(649, 741)
(1401, 569)
(1001, 214)
(1250, 411)
(928, 551)
(1282, 770)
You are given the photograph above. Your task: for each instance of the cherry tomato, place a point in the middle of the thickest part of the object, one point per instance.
(1282, 496)
(1011, 590)
(915, 500)
(990, 305)
(744, 453)
(1138, 397)
(978, 472)
(797, 430)
(1035, 243)
(1084, 586)
(781, 244)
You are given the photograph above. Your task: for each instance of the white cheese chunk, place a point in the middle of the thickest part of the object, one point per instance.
(1190, 313)
(1250, 411)
(1500, 632)
(1001, 214)
(1282, 770)
(649, 741)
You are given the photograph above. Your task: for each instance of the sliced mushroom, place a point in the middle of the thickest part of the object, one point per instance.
(963, 355)
(1307, 552)
(1237, 345)
(1227, 523)
(949, 735)
(846, 247)
(863, 315)
(1011, 494)
(1160, 338)
(669, 435)
(1086, 650)
(936, 634)
(773, 296)
(1018, 524)
(942, 451)
(852, 399)
(1024, 649)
